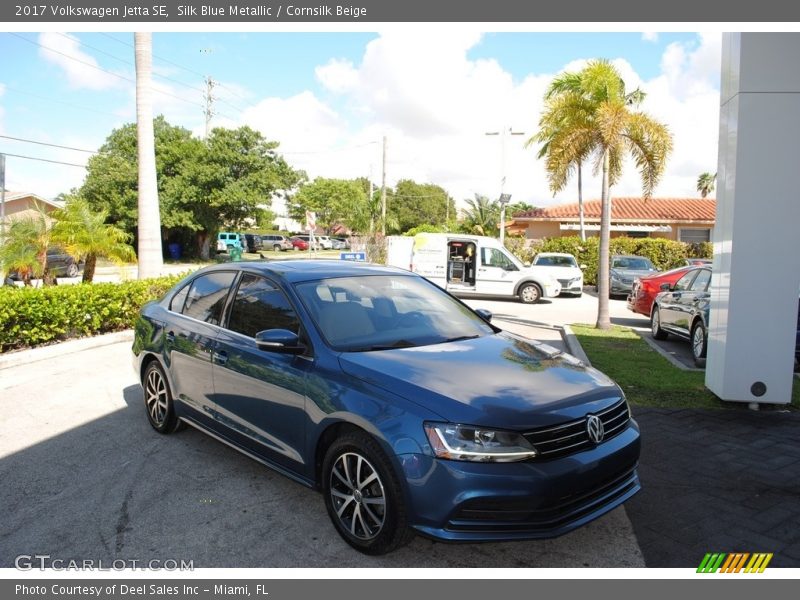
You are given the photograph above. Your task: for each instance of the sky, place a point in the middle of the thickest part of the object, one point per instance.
(330, 98)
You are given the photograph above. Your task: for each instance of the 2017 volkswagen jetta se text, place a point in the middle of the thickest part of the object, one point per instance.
(409, 411)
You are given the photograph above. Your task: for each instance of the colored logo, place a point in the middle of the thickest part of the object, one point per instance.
(735, 563)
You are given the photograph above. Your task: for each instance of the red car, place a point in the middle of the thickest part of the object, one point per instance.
(645, 289)
(298, 244)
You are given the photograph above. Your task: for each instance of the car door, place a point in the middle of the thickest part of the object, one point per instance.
(260, 395)
(496, 273)
(696, 301)
(672, 304)
(189, 339)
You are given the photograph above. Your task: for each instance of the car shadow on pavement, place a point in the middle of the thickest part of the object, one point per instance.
(112, 488)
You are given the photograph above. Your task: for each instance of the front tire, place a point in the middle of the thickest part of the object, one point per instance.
(699, 341)
(655, 325)
(158, 400)
(72, 270)
(530, 293)
(363, 496)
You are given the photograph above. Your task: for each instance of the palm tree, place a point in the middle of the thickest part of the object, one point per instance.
(706, 183)
(24, 249)
(596, 120)
(84, 233)
(150, 255)
(482, 217)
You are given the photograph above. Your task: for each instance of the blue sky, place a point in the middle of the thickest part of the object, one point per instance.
(330, 97)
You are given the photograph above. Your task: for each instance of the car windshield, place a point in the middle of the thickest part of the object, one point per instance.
(381, 312)
(632, 263)
(556, 261)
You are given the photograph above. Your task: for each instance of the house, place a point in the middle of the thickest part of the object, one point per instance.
(682, 219)
(19, 205)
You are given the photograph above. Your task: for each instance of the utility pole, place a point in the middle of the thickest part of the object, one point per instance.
(383, 191)
(504, 133)
(208, 98)
(2, 198)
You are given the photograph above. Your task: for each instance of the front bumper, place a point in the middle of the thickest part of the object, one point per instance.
(462, 501)
(552, 290)
(621, 286)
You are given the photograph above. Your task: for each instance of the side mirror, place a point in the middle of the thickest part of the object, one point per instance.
(665, 287)
(484, 314)
(526, 264)
(279, 340)
(582, 267)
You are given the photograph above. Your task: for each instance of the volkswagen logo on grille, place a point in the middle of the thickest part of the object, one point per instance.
(594, 429)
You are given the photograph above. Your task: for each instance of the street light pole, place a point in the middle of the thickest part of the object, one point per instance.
(503, 133)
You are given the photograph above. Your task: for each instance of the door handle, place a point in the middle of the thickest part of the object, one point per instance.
(220, 357)
(170, 336)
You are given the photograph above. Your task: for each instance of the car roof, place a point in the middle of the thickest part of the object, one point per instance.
(298, 270)
(555, 254)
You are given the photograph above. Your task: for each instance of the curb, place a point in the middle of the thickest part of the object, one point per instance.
(32, 355)
(573, 345)
(673, 361)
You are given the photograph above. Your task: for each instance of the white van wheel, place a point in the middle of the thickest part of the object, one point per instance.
(530, 293)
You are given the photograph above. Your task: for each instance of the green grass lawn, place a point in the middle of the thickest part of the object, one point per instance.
(646, 377)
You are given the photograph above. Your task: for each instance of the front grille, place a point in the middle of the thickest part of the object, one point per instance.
(565, 282)
(518, 515)
(571, 437)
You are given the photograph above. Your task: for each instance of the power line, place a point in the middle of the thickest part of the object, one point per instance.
(47, 160)
(16, 139)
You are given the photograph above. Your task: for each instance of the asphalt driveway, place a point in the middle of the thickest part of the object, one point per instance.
(85, 477)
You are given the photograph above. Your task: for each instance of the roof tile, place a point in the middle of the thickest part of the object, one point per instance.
(633, 208)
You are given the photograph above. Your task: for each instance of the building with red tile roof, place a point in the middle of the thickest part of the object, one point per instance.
(684, 219)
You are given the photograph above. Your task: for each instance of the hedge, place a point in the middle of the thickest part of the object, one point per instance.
(35, 316)
(663, 253)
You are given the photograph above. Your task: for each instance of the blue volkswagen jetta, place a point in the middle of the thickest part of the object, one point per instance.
(409, 411)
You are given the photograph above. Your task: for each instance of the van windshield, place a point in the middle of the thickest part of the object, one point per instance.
(382, 312)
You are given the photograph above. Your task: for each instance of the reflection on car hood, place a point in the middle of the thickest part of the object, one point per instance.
(500, 380)
(632, 273)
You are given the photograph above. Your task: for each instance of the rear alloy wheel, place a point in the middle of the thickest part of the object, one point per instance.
(530, 293)
(277, 247)
(158, 400)
(655, 325)
(699, 344)
(363, 496)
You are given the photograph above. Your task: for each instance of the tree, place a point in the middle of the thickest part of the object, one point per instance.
(412, 204)
(335, 201)
(83, 233)
(706, 183)
(149, 220)
(594, 119)
(482, 216)
(24, 249)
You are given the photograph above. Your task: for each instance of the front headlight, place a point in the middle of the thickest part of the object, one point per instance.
(477, 444)
(614, 276)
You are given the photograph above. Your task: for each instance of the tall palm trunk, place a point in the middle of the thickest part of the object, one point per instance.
(150, 255)
(603, 319)
(89, 267)
(580, 202)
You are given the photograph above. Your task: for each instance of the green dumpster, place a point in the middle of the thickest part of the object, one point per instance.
(236, 253)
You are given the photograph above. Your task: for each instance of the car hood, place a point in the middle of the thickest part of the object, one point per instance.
(632, 273)
(563, 272)
(499, 380)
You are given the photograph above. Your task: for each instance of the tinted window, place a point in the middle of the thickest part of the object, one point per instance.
(556, 261)
(684, 282)
(259, 305)
(176, 305)
(700, 283)
(207, 295)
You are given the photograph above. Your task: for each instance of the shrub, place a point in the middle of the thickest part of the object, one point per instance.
(35, 316)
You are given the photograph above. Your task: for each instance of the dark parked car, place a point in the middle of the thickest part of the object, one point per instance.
(59, 263)
(625, 269)
(683, 311)
(408, 411)
(253, 242)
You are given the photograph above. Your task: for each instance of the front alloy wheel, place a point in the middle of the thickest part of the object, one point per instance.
(158, 400)
(363, 495)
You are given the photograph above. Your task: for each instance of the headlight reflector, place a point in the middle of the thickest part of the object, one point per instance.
(477, 444)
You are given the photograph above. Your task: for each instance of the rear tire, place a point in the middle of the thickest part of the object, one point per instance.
(655, 325)
(699, 341)
(158, 400)
(277, 247)
(363, 495)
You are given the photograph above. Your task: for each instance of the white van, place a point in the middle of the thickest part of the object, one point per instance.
(467, 265)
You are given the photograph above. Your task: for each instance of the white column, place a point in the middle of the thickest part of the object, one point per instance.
(756, 279)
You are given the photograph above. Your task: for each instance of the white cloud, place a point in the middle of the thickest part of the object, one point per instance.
(81, 69)
(650, 36)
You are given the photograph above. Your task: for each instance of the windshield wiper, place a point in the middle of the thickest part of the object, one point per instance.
(459, 338)
(392, 346)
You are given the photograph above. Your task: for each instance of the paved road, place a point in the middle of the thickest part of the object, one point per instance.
(84, 476)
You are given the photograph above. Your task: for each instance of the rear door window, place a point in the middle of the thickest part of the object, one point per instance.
(207, 295)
